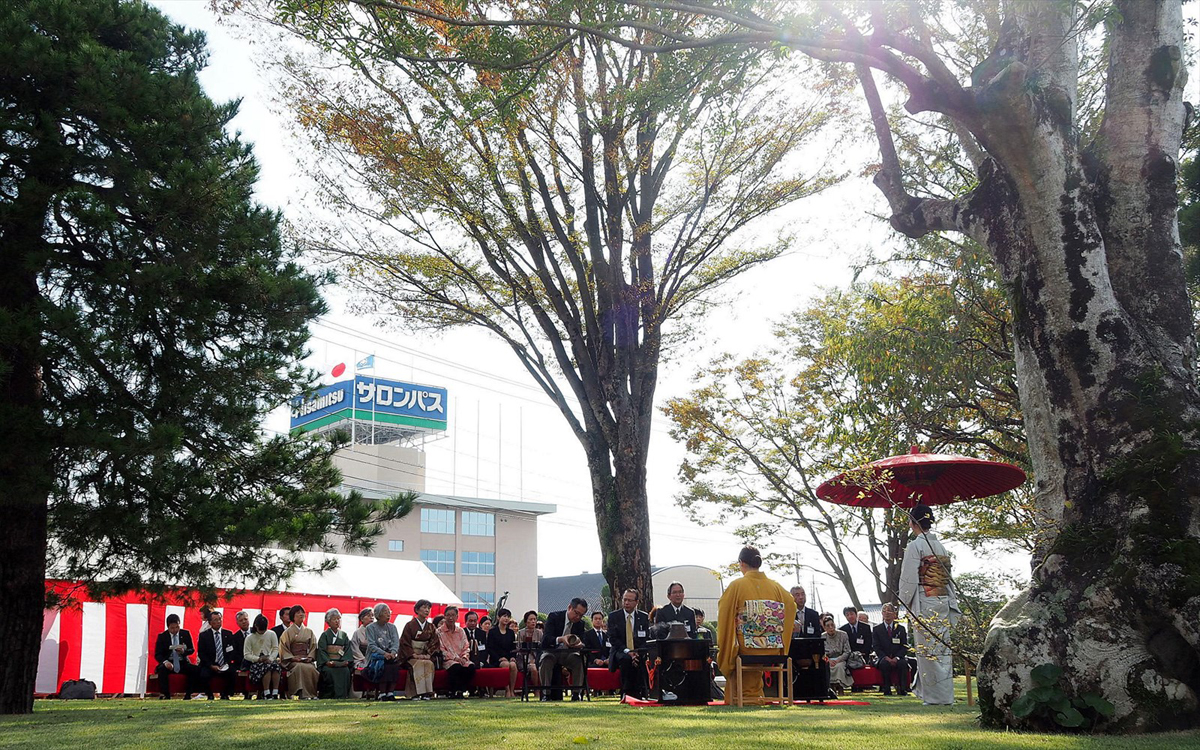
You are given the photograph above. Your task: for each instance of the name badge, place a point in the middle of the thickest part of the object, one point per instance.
(641, 634)
(228, 649)
(896, 640)
(810, 629)
(482, 647)
(860, 640)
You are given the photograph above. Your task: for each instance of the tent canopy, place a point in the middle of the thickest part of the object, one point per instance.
(379, 578)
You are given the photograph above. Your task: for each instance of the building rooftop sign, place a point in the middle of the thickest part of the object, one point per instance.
(378, 406)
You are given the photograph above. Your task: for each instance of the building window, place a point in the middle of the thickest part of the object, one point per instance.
(395, 545)
(479, 599)
(479, 563)
(440, 561)
(478, 524)
(437, 521)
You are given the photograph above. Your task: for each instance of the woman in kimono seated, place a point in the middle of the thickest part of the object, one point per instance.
(298, 651)
(927, 591)
(755, 616)
(837, 652)
(418, 644)
(334, 659)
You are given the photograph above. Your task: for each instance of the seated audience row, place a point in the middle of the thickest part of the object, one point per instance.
(290, 659)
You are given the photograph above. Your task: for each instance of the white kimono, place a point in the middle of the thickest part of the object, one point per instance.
(932, 618)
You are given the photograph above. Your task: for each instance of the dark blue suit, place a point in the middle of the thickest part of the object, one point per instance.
(206, 654)
(632, 673)
(893, 644)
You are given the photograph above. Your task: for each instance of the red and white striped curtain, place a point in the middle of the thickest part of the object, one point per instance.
(110, 642)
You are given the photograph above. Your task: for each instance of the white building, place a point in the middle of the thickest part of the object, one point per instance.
(479, 547)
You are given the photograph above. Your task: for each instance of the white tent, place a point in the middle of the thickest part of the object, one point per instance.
(108, 642)
(372, 577)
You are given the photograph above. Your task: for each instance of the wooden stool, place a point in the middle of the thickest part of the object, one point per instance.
(780, 664)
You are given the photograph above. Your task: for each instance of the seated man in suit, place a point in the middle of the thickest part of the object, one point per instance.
(561, 641)
(627, 631)
(239, 645)
(860, 640)
(702, 631)
(285, 619)
(216, 657)
(808, 621)
(891, 646)
(172, 648)
(596, 641)
(675, 611)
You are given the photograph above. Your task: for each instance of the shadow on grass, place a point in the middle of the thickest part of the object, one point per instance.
(884, 725)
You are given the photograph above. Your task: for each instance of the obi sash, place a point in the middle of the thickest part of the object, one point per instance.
(934, 575)
(761, 623)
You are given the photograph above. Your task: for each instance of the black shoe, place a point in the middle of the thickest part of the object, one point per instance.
(164, 697)
(887, 693)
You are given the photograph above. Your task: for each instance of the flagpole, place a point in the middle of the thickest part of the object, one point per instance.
(353, 403)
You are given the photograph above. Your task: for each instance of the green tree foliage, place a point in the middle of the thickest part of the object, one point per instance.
(150, 318)
(1189, 208)
(981, 595)
(583, 211)
(915, 357)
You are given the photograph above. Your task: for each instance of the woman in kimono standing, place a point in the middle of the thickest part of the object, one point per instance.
(928, 593)
(334, 659)
(755, 588)
(418, 644)
(298, 651)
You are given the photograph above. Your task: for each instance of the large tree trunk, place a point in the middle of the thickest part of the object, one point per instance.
(25, 471)
(1089, 246)
(623, 520)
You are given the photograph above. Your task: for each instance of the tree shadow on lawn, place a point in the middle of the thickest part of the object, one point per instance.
(885, 725)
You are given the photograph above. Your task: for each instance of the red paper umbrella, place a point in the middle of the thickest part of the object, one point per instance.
(929, 478)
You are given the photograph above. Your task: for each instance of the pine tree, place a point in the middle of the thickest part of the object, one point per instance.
(150, 316)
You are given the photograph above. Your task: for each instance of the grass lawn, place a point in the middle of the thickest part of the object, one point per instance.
(887, 724)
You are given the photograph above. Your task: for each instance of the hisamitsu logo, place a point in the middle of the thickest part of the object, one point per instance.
(323, 401)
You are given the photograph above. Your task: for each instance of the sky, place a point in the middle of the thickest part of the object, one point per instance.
(505, 439)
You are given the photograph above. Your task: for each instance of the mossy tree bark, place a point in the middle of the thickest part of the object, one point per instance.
(1104, 359)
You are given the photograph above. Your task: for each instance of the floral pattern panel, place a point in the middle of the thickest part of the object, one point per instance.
(761, 623)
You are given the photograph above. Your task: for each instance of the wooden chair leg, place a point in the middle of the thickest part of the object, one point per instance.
(738, 685)
(789, 687)
(967, 669)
